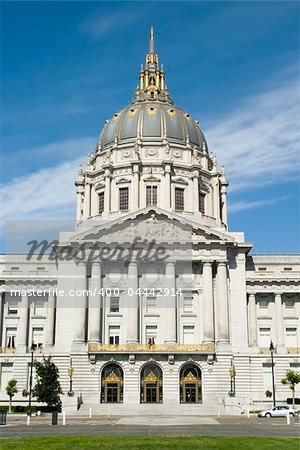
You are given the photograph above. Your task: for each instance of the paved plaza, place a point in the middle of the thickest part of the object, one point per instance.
(155, 426)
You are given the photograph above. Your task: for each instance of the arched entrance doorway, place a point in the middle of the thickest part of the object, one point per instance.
(151, 384)
(112, 378)
(190, 384)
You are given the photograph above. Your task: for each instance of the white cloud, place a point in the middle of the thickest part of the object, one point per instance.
(259, 142)
(242, 205)
(104, 22)
(48, 193)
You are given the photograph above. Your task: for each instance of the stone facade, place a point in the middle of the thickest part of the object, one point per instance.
(153, 302)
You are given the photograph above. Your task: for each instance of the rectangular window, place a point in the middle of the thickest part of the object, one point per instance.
(179, 199)
(287, 269)
(151, 333)
(263, 304)
(38, 307)
(101, 202)
(12, 307)
(11, 335)
(289, 304)
(291, 337)
(124, 198)
(188, 304)
(151, 195)
(264, 337)
(6, 374)
(38, 336)
(202, 202)
(188, 334)
(114, 304)
(262, 269)
(151, 304)
(114, 335)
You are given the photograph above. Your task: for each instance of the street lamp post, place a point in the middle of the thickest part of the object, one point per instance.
(272, 348)
(32, 349)
(231, 393)
(70, 373)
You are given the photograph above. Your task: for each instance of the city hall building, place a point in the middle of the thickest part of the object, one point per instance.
(152, 305)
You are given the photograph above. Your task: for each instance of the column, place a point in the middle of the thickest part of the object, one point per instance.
(50, 321)
(94, 202)
(79, 204)
(23, 324)
(208, 304)
(196, 190)
(135, 188)
(222, 304)
(280, 332)
(216, 199)
(252, 326)
(107, 191)
(132, 304)
(87, 200)
(168, 186)
(79, 310)
(95, 304)
(170, 305)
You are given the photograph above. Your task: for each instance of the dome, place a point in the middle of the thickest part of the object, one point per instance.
(152, 115)
(151, 121)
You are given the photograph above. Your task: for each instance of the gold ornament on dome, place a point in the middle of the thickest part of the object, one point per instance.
(116, 116)
(132, 112)
(151, 111)
(172, 112)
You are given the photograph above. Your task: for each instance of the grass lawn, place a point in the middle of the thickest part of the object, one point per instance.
(149, 443)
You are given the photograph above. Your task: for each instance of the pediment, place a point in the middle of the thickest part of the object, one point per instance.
(149, 224)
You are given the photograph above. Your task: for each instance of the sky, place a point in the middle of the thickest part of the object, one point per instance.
(66, 67)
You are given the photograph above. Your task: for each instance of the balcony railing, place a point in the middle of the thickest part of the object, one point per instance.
(7, 350)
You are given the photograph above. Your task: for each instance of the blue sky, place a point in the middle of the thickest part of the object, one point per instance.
(68, 66)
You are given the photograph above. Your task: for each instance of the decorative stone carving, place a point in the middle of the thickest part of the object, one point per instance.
(177, 154)
(152, 151)
(125, 154)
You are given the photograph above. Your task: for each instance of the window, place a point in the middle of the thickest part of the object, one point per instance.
(151, 334)
(11, 334)
(124, 197)
(151, 195)
(262, 269)
(114, 304)
(38, 336)
(151, 304)
(188, 304)
(15, 268)
(263, 304)
(114, 335)
(188, 334)
(179, 199)
(201, 202)
(6, 374)
(291, 337)
(12, 307)
(38, 307)
(287, 269)
(101, 202)
(289, 304)
(264, 337)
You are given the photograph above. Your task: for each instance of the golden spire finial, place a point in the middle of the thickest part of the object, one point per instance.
(151, 43)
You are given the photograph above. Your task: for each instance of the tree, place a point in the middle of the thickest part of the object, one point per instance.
(11, 390)
(47, 389)
(291, 379)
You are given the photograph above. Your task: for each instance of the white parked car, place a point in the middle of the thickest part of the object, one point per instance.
(277, 411)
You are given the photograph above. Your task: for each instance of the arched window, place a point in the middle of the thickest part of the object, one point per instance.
(112, 378)
(190, 384)
(151, 384)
